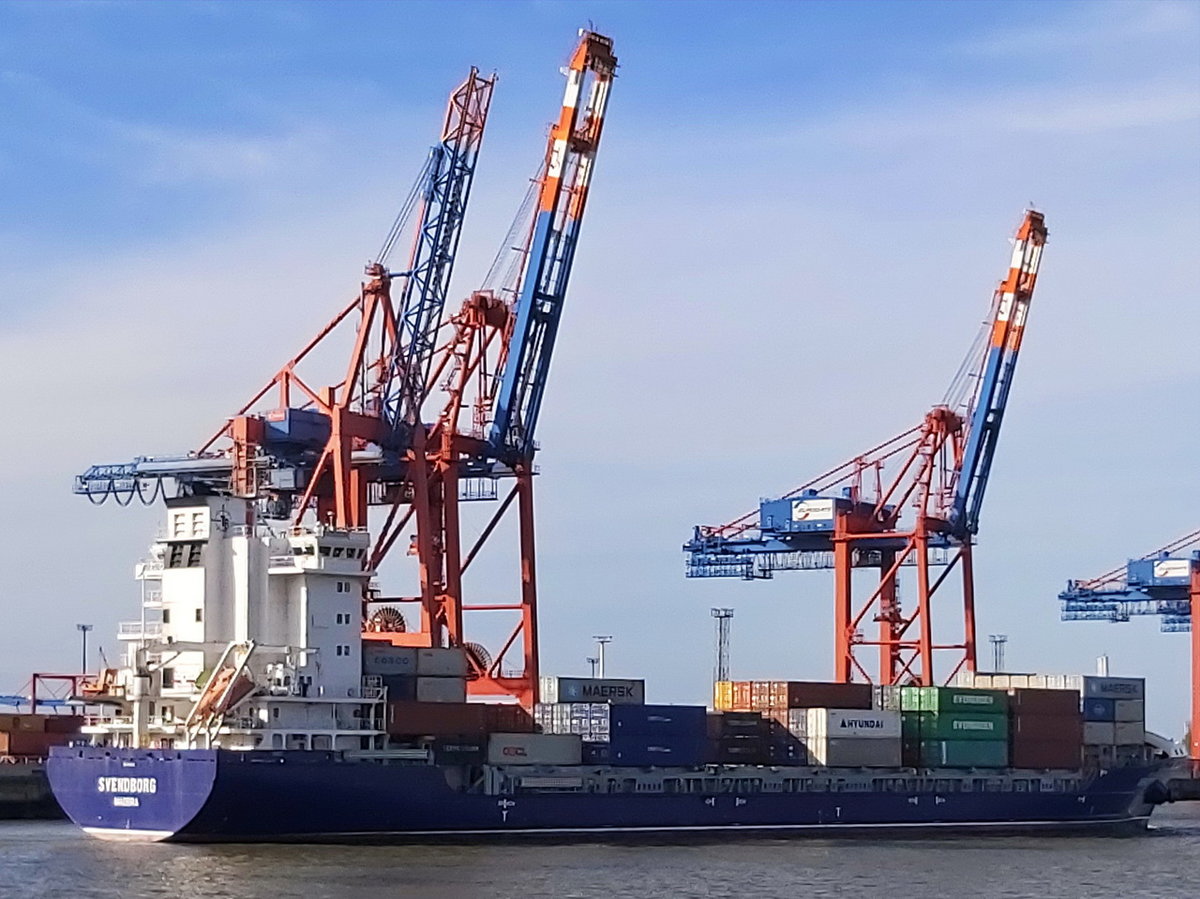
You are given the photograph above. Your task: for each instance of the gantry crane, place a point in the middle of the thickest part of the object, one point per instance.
(369, 439)
(1164, 583)
(913, 501)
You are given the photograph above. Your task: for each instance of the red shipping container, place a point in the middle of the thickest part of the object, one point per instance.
(1044, 702)
(30, 742)
(824, 695)
(1047, 728)
(507, 718)
(436, 719)
(63, 724)
(1045, 754)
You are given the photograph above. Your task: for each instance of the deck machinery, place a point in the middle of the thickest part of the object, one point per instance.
(1164, 583)
(913, 501)
(433, 410)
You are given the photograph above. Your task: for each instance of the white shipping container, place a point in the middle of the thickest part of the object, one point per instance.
(593, 689)
(441, 662)
(1099, 733)
(836, 724)
(441, 689)
(535, 749)
(855, 753)
(383, 658)
(1129, 710)
(1129, 733)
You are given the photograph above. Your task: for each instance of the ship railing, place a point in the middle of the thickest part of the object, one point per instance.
(135, 629)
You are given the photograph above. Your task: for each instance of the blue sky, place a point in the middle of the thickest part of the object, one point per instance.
(799, 213)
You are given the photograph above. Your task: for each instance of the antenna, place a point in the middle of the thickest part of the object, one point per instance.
(998, 641)
(724, 618)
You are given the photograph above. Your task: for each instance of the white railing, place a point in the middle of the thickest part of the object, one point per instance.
(136, 630)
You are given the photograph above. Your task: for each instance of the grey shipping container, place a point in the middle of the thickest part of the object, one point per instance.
(383, 658)
(535, 749)
(441, 689)
(618, 691)
(1129, 710)
(1129, 733)
(1099, 733)
(441, 662)
(855, 753)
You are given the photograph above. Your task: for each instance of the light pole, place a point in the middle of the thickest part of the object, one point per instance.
(83, 632)
(593, 661)
(998, 641)
(601, 642)
(724, 619)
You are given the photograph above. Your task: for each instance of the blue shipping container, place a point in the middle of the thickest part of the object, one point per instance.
(642, 751)
(1099, 710)
(688, 720)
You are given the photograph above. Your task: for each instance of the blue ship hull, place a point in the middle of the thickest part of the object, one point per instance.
(208, 796)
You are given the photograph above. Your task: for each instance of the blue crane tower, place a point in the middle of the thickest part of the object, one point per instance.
(923, 514)
(1165, 583)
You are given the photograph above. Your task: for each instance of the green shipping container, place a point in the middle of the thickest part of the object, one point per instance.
(964, 753)
(962, 726)
(954, 699)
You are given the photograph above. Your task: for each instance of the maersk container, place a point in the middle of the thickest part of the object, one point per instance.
(962, 726)
(1129, 710)
(856, 752)
(687, 720)
(1129, 733)
(1093, 687)
(827, 724)
(534, 749)
(954, 699)
(1099, 709)
(385, 659)
(441, 689)
(441, 662)
(616, 691)
(1099, 733)
(964, 753)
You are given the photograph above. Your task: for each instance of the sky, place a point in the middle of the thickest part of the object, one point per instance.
(798, 216)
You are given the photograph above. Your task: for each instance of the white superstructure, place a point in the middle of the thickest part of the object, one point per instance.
(248, 638)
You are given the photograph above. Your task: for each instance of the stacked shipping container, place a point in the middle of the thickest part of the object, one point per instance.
(33, 735)
(955, 727)
(412, 674)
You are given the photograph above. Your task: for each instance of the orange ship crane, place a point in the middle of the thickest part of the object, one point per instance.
(912, 501)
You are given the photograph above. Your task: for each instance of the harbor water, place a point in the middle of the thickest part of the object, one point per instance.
(53, 859)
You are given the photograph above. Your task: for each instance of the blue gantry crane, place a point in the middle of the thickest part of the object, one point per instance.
(924, 513)
(1165, 583)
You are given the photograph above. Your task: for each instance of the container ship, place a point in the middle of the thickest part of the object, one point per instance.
(249, 707)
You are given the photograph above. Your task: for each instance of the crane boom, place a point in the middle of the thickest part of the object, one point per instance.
(451, 173)
(570, 157)
(1010, 310)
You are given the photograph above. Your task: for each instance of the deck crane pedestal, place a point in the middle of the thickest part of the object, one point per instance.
(333, 452)
(912, 501)
(1165, 583)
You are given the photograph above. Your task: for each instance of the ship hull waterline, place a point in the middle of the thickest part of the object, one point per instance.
(296, 796)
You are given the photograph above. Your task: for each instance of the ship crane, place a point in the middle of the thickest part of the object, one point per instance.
(1165, 583)
(911, 501)
(370, 440)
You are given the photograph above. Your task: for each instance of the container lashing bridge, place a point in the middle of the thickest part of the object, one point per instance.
(912, 501)
(433, 410)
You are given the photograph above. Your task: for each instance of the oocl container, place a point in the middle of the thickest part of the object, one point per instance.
(534, 749)
(616, 691)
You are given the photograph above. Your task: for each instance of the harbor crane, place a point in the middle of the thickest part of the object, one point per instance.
(433, 409)
(1165, 583)
(913, 500)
